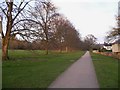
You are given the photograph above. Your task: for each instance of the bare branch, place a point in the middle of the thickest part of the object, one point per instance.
(20, 9)
(29, 20)
(3, 11)
(7, 3)
(2, 34)
(25, 29)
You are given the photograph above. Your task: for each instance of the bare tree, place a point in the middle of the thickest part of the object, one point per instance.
(72, 37)
(115, 32)
(11, 11)
(59, 24)
(42, 15)
(89, 42)
(66, 36)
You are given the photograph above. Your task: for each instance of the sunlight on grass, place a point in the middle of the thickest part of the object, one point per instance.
(106, 70)
(33, 69)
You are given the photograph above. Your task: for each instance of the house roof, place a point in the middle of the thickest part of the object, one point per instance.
(107, 44)
(117, 41)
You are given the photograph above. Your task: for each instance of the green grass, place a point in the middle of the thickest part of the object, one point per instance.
(106, 70)
(33, 69)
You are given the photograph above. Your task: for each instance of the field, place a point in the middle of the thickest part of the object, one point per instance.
(33, 69)
(106, 70)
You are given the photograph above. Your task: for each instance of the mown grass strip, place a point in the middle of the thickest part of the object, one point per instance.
(33, 69)
(106, 70)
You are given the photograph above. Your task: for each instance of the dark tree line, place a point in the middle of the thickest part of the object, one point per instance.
(63, 36)
(60, 42)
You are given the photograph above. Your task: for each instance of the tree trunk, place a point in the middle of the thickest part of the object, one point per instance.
(47, 47)
(5, 39)
(66, 49)
(60, 47)
(60, 50)
(5, 43)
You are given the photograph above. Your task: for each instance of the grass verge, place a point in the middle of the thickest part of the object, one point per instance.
(33, 69)
(106, 70)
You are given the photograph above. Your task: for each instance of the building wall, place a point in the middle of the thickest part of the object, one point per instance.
(95, 51)
(116, 48)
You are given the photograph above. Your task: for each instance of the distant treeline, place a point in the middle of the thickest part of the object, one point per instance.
(71, 43)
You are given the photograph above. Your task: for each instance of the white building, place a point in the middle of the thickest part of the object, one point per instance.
(107, 46)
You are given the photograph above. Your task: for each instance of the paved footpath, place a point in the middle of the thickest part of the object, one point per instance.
(80, 74)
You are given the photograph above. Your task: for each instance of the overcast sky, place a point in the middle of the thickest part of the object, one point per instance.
(95, 17)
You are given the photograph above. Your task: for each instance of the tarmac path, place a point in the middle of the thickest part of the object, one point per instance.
(80, 74)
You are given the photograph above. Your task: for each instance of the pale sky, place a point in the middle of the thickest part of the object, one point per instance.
(95, 17)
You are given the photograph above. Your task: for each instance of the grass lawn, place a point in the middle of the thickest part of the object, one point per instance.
(106, 70)
(33, 69)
